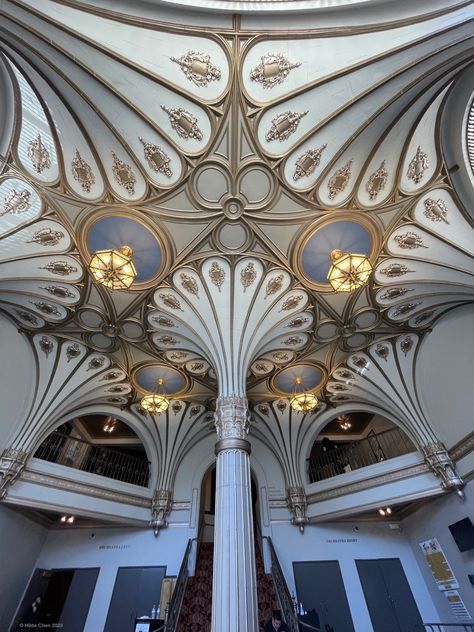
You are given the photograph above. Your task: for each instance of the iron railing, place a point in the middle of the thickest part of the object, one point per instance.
(374, 448)
(287, 605)
(446, 627)
(176, 602)
(89, 457)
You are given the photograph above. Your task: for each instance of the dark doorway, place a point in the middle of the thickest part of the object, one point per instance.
(388, 595)
(321, 592)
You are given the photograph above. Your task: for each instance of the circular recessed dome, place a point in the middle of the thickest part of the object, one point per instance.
(311, 378)
(114, 231)
(314, 257)
(146, 378)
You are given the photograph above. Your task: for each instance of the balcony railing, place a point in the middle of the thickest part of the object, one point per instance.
(372, 449)
(446, 627)
(89, 457)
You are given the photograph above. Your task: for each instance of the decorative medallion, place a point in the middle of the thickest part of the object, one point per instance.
(423, 317)
(264, 410)
(167, 340)
(299, 321)
(339, 387)
(197, 367)
(248, 275)
(178, 356)
(261, 367)
(197, 67)
(339, 179)
(73, 351)
(281, 405)
(157, 159)
(395, 292)
(46, 308)
(16, 203)
(395, 270)
(281, 356)
(307, 163)
(46, 345)
(62, 268)
(114, 400)
(274, 285)
(409, 241)
(194, 411)
(183, 122)
(112, 375)
(123, 174)
(346, 375)
(27, 317)
(377, 181)
(116, 389)
(272, 70)
(38, 154)
(291, 302)
(171, 301)
(406, 344)
(163, 321)
(406, 308)
(283, 125)
(360, 362)
(293, 340)
(176, 407)
(418, 165)
(82, 172)
(96, 363)
(382, 351)
(189, 283)
(46, 237)
(436, 210)
(217, 275)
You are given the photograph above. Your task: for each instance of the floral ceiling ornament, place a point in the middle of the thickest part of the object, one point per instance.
(58, 290)
(157, 159)
(423, 317)
(16, 203)
(183, 122)
(395, 270)
(46, 308)
(167, 340)
(307, 163)
(46, 237)
(284, 125)
(293, 340)
(339, 179)
(360, 362)
(382, 351)
(189, 283)
(291, 302)
(46, 345)
(406, 308)
(436, 210)
(38, 154)
(410, 240)
(274, 285)
(27, 317)
(163, 321)
(273, 69)
(281, 405)
(377, 181)
(82, 172)
(197, 67)
(299, 321)
(217, 275)
(395, 292)
(171, 301)
(96, 363)
(281, 356)
(418, 165)
(406, 344)
(248, 275)
(123, 174)
(61, 268)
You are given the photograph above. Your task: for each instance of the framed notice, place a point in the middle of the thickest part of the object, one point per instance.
(439, 565)
(457, 606)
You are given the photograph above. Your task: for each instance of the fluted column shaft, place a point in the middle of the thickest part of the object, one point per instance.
(234, 589)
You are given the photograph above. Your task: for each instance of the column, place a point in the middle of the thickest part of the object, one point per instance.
(234, 589)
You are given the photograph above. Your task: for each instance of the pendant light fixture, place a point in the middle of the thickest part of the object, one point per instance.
(156, 403)
(348, 271)
(302, 401)
(114, 268)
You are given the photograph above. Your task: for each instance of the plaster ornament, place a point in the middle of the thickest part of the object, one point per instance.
(307, 163)
(112, 375)
(293, 340)
(73, 351)
(418, 166)
(273, 69)
(197, 367)
(382, 351)
(194, 411)
(299, 321)
(283, 125)
(38, 154)
(346, 375)
(82, 172)
(377, 181)
(171, 301)
(281, 356)
(156, 158)
(360, 362)
(406, 344)
(163, 321)
(291, 302)
(264, 410)
(248, 275)
(297, 504)
(409, 241)
(338, 181)
(436, 210)
(183, 122)
(189, 283)
(116, 389)
(178, 356)
(395, 270)
(217, 275)
(339, 387)
(46, 345)
(16, 203)
(27, 317)
(167, 340)
(281, 405)
(261, 367)
(46, 237)
(406, 308)
(438, 459)
(115, 400)
(58, 290)
(176, 407)
(197, 67)
(423, 317)
(123, 174)
(231, 418)
(46, 308)
(96, 363)
(274, 285)
(395, 292)
(12, 464)
(61, 268)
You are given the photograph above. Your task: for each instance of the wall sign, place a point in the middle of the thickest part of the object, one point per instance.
(457, 606)
(439, 565)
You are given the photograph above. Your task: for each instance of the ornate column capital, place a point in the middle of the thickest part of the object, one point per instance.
(231, 420)
(438, 459)
(160, 508)
(12, 464)
(297, 504)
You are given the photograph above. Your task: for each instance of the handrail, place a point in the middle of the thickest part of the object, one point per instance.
(176, 602)
(446, 627)
(283, 594)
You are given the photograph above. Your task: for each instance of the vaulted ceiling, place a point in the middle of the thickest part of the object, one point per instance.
(223, 143)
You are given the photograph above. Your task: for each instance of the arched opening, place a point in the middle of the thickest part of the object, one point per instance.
(354, 440)
(98, 444)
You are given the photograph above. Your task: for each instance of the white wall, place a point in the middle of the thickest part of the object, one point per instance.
(20, 542)
(108, 549)
(345, 543)
(432, 522)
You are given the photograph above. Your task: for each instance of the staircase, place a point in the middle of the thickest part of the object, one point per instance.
(266, 595)
(196, 610)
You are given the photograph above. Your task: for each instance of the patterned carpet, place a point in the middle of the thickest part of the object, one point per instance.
(267, 599)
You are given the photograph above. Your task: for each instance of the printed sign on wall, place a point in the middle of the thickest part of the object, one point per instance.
(439, 565)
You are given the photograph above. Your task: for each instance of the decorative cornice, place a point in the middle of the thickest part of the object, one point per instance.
(12, 464)
(462, 448)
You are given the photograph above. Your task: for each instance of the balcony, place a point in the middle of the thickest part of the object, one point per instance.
(374, 448)
(96, 459)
